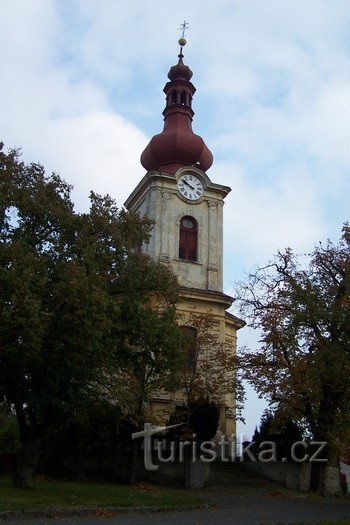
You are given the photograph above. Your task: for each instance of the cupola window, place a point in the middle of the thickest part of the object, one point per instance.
(188, 239)
(174, 96)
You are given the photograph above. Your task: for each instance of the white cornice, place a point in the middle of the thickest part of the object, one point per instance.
(151, 176)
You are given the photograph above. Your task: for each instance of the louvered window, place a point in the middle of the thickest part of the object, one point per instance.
(188, 239)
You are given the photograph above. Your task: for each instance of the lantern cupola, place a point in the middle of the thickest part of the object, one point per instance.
(177, 146)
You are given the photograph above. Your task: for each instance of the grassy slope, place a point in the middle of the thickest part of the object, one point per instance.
(68, 494)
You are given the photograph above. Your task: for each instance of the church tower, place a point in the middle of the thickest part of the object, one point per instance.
(187, 209)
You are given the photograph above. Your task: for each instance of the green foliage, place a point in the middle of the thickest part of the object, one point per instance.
(149, 349)
(79, 302)
(200, 420)
(204, 420)
(88, 446)
(9, 438)
(284, 436)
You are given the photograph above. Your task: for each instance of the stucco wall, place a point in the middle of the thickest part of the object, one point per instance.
(161, 202)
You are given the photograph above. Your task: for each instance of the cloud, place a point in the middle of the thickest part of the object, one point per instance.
(82, 86)
(81, 91)
(58, 120)
(96, 151)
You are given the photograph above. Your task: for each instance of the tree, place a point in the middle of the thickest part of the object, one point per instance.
(149, 343)
(284, 437)
(149, 340)
(8, 433)
(65, 281)
(302, 366)
(209, 371)
(209, 378)
(84, 446)
(202, 422)
(209, 382)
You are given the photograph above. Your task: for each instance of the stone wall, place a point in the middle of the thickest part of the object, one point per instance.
(295, 476)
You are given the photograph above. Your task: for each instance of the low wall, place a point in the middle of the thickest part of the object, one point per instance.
(117, 467)
(194, 475)
(345, 469)
(295, 476)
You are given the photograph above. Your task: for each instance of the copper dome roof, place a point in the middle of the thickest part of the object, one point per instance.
(177, 145)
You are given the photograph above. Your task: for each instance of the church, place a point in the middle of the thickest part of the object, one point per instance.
(187, 209)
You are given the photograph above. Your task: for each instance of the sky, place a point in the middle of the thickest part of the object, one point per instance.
(81, 92)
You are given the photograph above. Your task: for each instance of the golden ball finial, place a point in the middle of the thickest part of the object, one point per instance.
(182, 41)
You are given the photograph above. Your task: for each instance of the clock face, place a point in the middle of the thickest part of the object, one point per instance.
(190, 186)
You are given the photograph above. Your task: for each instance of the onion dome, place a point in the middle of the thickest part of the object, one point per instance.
(177, 146)
(180, 71)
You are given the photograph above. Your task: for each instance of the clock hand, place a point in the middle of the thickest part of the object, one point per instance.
(192, 188)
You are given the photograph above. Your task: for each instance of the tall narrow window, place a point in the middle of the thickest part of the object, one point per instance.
(174, 96)
(188, 239)
(189, 348)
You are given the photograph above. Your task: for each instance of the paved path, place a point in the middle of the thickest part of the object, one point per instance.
(264, 508)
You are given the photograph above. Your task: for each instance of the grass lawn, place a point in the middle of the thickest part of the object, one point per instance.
(75, 494)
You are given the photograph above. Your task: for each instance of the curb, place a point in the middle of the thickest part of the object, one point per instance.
(101, 512)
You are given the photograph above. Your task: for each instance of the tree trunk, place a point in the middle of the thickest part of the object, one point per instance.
(79, 460)
(187, 468)
(134, 458)
(187, 452)
(135, 444)
(26, 461)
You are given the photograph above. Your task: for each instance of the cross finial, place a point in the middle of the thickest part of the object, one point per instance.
(182, 40)
(183, 28)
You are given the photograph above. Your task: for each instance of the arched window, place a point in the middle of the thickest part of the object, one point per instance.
(189, 347)
(183, 98)
(188, 239)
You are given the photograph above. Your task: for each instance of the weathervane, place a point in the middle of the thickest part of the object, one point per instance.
(182, 40)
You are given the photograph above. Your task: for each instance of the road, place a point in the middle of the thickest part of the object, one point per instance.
(264, 508)
(242, 498)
